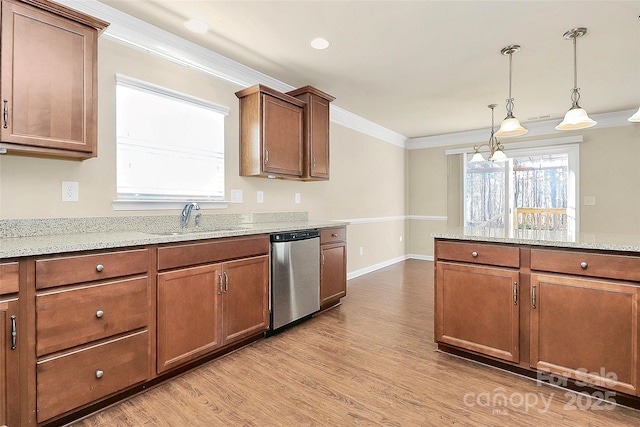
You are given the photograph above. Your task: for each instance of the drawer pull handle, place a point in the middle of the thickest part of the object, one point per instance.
(99, 268)
(99, 314)
(99, 374)
(474, 254)
(14, 333)
(5, 113)
(584, 265)
(533, 296)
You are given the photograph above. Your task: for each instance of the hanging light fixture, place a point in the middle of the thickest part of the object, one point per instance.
(496, 153)
(510, 125)
(576, 117)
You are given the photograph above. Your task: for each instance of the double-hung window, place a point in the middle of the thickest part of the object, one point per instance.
(170, 146)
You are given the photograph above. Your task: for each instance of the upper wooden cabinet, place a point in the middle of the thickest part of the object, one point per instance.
(316, 132)
(48, 86)
(284, 135)
(271, 133)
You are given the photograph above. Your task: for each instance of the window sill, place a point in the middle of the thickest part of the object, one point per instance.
(155, 205)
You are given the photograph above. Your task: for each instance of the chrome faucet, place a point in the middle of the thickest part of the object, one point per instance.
(186, 213)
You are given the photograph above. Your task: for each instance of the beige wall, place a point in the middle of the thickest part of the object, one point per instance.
(371, 180)
(367, 175)
(609, 170)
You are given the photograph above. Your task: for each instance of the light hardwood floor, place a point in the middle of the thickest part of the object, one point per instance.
(369, 362)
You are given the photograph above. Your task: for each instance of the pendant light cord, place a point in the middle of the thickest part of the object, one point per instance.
(575, 92)
(510, 99)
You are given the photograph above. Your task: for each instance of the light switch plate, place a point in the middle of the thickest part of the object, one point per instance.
(297, 197)
(260, 197)
(589, 200)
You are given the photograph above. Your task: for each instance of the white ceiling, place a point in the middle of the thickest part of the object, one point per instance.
(423, 68)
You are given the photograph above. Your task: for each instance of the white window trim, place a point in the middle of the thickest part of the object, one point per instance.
(545, 146)
(126, 204)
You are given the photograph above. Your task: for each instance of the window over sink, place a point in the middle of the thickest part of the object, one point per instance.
(170, 147)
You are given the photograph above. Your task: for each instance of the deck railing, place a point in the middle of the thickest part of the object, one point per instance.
(554, 219)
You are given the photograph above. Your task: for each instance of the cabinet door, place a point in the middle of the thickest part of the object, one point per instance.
(48, 81)
(333, 273)
(318, 134)
(9, 364)
(586, 330)
(477, 309)
(246, 298)
(281, 137)
(189, 303)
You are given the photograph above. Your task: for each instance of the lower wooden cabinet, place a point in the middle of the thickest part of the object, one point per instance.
(477, 309)
(203, 308)
(79, 377)
(586, 329)
(562, 315)
(9, 363)
(333, 266)
(188, 314)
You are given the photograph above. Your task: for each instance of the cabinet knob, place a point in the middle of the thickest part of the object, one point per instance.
(584, 265)
(474, 254)
(99, 374)
(99, 314)
(334, 234)
(99, 268)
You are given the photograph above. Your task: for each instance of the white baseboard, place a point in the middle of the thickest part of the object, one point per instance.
(387, 263)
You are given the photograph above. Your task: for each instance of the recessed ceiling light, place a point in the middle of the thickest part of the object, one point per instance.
(197, 25)
(319, 43)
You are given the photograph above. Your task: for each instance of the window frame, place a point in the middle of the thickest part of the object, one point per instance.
(124, 202)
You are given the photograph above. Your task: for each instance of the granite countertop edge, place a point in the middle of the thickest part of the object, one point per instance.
(590, 241)
(16, 247)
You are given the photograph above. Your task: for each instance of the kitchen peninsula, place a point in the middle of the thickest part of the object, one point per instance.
(555, 306)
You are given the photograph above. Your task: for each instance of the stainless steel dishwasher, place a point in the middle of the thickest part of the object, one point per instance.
(295, 277)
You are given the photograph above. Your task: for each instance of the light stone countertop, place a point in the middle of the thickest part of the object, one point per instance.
(559, 239)
(73, 235)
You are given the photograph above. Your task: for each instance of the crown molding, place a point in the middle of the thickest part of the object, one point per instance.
(547, 127)
(135, 33)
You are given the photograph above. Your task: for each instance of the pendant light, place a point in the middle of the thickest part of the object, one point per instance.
(576, 117)
(510, 125)
(496, 153)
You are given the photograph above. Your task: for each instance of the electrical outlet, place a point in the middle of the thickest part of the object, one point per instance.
(589, 200)
(297, 197)
(70, 191)
(361, 250)
(236, 196)
(401, 238)
(260, 197)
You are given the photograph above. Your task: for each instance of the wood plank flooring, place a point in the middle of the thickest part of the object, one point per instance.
(369, 362)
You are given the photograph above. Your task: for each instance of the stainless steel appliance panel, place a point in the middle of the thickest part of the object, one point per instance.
(295, 273)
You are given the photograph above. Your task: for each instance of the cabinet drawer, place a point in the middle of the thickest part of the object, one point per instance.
(85, 268)
(9, 277)
(212, 251)
(478, 253)
(586, 264)
(80, 377)
(330, 235)
(69, 318)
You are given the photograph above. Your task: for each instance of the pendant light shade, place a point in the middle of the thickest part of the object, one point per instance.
(510, 125)
(636, 117)
(576, 117)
